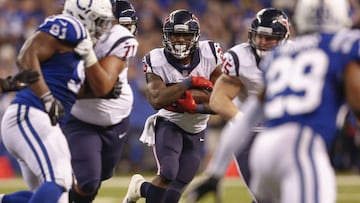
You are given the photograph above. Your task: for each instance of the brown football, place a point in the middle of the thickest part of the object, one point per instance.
(200, 95)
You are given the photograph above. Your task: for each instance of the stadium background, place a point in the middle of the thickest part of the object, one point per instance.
(224, 21)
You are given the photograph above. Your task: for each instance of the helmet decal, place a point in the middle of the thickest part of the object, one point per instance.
(83, 8)
(272, 23)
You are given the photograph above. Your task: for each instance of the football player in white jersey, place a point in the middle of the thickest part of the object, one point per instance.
(241, 78)
(171, 72)
(102, 123)
(59, 50)
(307, 83)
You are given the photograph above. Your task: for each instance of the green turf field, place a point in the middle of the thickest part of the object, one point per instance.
(233, 191)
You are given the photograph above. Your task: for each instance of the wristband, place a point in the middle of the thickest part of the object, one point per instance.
(46, 94)
(200, 108)
(90, 59)
(187, 83)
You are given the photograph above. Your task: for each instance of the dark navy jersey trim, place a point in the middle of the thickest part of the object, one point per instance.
(213, 50)
(195, 60)
(236, 61)
(119, 41)
(148, 61)
(257, 57)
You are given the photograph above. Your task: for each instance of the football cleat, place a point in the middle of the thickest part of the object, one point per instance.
(133, 193)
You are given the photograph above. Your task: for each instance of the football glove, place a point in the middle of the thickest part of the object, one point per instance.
(85, 50)
(187, 102)
(174, 108)
(19, 81)
(52, 107)
(198, 82)
(201, 82)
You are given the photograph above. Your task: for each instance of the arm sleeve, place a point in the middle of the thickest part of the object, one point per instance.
(231, 140)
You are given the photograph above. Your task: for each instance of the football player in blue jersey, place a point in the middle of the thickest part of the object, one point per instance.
(242, 78)
(102, 123)
(15, 83)
(171, 72)
(61, 50)
(306, 84)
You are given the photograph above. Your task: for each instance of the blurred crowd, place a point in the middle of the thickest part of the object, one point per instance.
(224, 21)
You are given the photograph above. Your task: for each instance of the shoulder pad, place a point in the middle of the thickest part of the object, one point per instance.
(64, 27)
(210, 50)
(155, 58)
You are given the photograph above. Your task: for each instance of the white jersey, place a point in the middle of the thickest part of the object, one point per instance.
(119, 42)
(240, 61)
(204, 62)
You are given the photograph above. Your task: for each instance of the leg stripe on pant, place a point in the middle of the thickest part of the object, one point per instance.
(36, 145)
(313, 167)
(298, 164)
(305, 144)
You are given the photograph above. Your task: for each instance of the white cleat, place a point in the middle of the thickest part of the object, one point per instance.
(133, 193)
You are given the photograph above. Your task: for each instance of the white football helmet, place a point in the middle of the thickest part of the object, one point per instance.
(321, 15)
(96, 15)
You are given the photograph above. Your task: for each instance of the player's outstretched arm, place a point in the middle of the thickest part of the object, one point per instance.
(225, 90)
(231, 140)
(19, 81)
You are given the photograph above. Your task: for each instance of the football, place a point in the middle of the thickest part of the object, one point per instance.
(200, 95)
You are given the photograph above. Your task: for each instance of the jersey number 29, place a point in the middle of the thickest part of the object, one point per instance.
(295, 84)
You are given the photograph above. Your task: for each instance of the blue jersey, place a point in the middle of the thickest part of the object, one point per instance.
(304, 80)
(63, 72)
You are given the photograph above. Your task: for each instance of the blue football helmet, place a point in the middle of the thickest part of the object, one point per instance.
(271, 22)
(125, 13)
(181, 23)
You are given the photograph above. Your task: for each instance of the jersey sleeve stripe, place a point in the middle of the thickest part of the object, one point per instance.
(148, 61)
(119, 41)
(236, 61)
(212, 46)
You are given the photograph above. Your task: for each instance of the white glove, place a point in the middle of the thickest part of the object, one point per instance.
(86, 51)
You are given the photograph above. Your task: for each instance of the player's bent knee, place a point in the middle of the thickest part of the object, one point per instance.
(90, 187)
(169, 174)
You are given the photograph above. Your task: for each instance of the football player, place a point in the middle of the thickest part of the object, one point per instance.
(183, 63)
(306, 84)
(102, 123)
(241, 78)
(59, 50)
